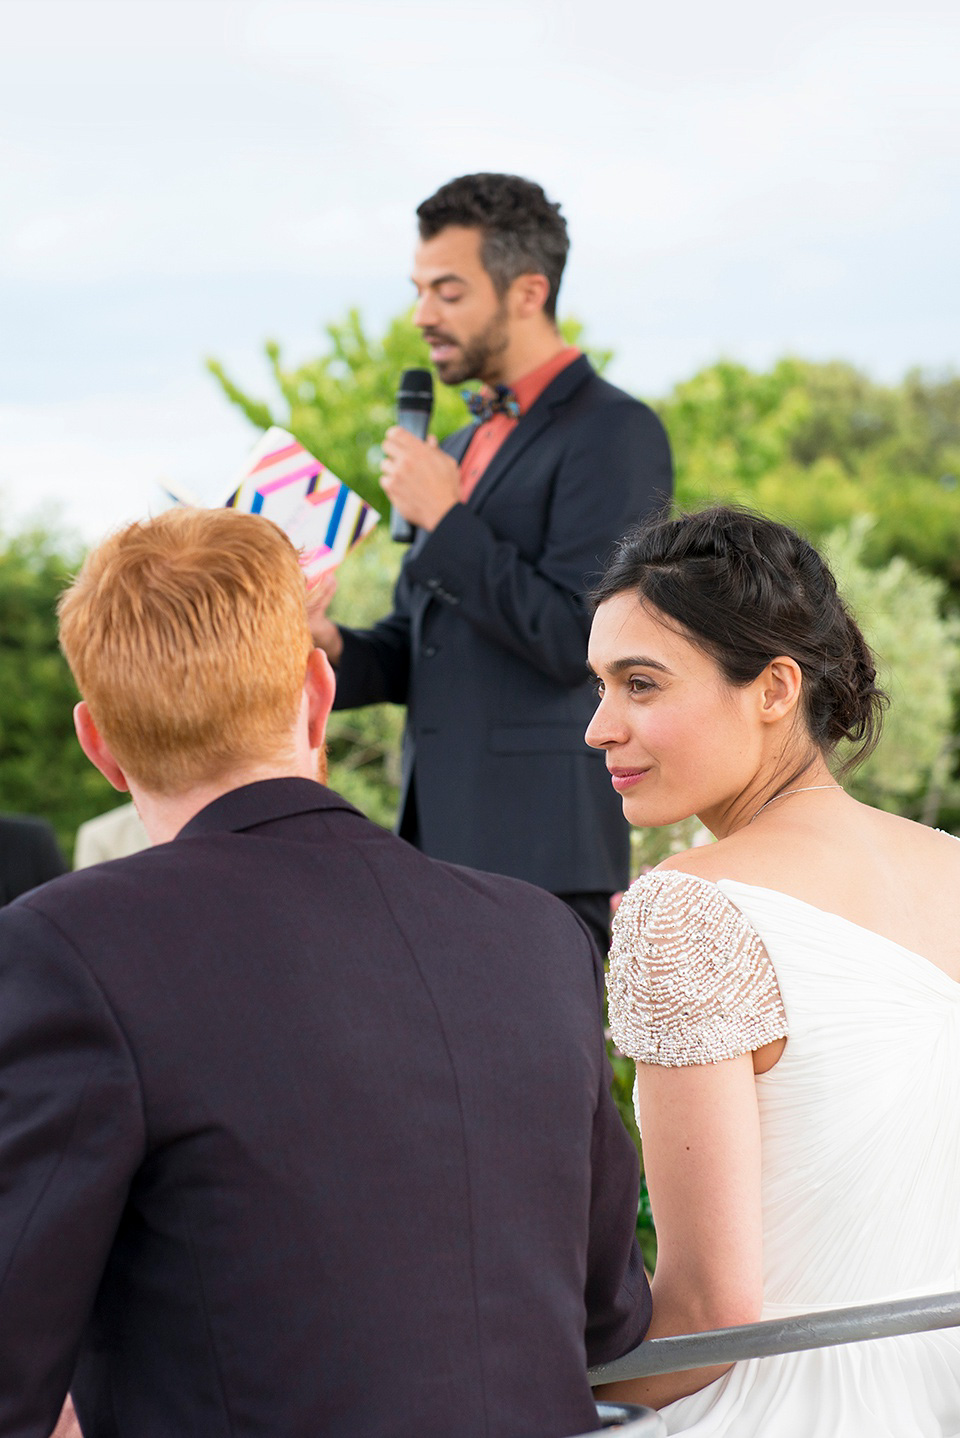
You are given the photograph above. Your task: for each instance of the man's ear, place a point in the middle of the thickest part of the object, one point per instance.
(95, 747)
(529, 294)
(320, 686)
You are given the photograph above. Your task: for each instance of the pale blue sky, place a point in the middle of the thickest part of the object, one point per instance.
(186, 178)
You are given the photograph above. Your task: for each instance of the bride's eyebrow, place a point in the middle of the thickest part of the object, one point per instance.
(617, 666)
(637, 661)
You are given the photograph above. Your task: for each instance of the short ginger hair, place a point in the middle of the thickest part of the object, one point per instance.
(187, 636)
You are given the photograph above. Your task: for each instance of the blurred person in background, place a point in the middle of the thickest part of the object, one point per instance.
(29, 855)
(112, 835)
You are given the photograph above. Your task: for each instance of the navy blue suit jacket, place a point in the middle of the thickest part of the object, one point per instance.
(487, 642)
(301, 1134)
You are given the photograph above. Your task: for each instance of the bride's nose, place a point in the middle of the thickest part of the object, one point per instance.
(604, 728)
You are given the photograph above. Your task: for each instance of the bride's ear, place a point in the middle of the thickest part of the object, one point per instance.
(779, 687)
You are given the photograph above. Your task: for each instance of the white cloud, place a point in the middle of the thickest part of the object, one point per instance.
(94, 465)
(183, 178)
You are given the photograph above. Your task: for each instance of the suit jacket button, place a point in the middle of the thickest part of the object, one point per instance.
(430, 651)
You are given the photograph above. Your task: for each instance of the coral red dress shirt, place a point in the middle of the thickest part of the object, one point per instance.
(492, 432)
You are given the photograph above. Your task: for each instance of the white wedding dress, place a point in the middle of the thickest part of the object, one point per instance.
(860, 1128)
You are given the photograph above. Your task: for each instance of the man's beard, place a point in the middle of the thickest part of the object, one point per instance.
(322, 764)
(477, 354)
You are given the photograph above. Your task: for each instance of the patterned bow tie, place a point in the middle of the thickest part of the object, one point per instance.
(484, 405)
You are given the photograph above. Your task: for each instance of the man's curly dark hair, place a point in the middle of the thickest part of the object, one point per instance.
(523, 232)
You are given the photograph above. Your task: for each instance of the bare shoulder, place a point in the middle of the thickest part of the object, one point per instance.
(911, 832)
(802, 855)
(909, 843)
(730, 858)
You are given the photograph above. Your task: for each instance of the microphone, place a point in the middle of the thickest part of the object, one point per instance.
(414, 405)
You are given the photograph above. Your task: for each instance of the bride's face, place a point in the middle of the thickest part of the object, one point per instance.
(680, 739)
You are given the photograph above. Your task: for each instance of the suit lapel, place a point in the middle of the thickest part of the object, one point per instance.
(457, 444)
(530, 427)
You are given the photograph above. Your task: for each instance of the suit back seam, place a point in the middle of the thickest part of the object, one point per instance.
(463, 1127)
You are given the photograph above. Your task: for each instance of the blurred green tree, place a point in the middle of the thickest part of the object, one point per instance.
(817, 444)
(42, 768)
(916, 641)
(363, 745)
(341, 404)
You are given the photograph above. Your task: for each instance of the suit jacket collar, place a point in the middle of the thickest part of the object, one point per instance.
(529, 426)
(566, 384)
(261, 802)
(458, 442)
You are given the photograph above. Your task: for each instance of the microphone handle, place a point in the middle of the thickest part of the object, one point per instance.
(415, 422)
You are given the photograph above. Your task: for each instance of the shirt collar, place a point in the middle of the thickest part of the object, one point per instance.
(529, 387)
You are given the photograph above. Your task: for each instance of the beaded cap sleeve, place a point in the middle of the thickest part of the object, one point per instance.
(690, 981)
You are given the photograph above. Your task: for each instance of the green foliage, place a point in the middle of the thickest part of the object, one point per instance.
(363, 745)
(817, 444)
(649, 847)
(42, 768)
(622, 1090)
(900, 611)
(341, 404)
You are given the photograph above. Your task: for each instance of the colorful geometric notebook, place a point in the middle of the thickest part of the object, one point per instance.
(283, 481)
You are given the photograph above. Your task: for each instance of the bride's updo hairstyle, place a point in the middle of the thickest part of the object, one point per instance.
(745, 589)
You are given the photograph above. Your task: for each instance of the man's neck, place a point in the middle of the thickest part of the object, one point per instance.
(526, 352)
(164, 815)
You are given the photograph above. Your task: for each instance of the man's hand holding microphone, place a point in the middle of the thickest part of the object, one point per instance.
(420, 480)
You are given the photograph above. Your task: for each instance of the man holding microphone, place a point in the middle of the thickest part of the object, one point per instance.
(513, 516)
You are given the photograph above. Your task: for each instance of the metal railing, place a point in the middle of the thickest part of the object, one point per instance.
(627, 1421)
(787, 1335)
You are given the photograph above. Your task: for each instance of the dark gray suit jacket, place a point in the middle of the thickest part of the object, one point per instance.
(487, 642)
(302, 1134)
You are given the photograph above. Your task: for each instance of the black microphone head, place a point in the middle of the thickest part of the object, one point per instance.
(416, 390)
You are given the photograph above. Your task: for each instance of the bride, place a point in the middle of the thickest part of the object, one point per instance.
(791, 993)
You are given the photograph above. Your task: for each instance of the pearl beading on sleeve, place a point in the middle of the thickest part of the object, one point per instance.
(690, 981)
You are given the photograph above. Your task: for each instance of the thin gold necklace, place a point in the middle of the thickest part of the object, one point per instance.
(804, 789)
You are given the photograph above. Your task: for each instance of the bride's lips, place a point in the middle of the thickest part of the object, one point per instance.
(623, 779)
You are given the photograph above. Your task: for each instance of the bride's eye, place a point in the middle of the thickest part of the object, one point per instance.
(639, 684)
